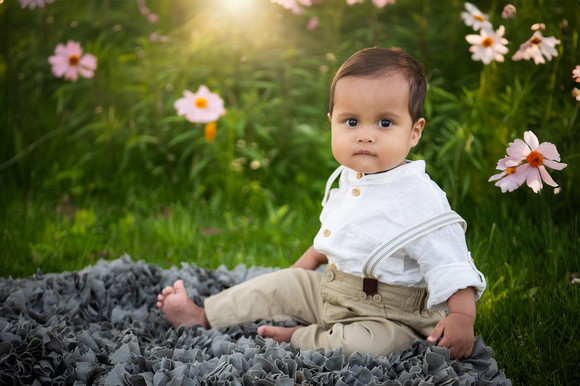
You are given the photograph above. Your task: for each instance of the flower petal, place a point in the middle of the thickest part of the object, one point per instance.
(554, 165)
(548, 150)
(531, 140)
(546, 176)
(496, 176)
(518, 149)
(534, 180)
(89, 62)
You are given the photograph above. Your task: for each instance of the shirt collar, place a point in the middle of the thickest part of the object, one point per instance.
(409, 168)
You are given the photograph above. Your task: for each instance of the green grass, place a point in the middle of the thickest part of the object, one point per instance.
(65, 235)
(528, 315)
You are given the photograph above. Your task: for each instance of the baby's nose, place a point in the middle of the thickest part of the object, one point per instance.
(365, 137)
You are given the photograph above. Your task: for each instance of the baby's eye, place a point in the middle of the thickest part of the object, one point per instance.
(385, 123)
(351, 122)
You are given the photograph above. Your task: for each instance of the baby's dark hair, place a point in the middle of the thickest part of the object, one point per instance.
(377, 61)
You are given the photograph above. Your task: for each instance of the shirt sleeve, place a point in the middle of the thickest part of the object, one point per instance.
(447, 266)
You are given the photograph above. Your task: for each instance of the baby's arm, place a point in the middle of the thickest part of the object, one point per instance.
(457, 327)
(311, 259)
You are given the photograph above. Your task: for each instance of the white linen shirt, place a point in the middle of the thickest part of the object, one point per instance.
(367, 210)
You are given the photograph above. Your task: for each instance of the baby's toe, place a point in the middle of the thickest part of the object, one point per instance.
(168, 290)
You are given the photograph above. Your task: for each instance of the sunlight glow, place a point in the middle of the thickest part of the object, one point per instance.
(237, 5)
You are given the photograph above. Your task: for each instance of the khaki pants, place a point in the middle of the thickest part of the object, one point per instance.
(338, 313)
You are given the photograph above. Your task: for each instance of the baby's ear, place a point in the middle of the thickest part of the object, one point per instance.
(417, 131)
(329, 117)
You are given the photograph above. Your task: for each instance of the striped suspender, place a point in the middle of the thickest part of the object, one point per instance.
(331, 179)
(381, 253)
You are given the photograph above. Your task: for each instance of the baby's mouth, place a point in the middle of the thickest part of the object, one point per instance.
(363, 152)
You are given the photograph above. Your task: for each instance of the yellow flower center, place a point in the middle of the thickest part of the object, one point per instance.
(73, 60)
(487, 42)
(210, 130)
(201, 103)
(536, 40)
(510, 170)
(535, 159)
(478, 17)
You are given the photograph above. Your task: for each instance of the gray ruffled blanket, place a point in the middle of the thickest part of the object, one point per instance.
(100, 326)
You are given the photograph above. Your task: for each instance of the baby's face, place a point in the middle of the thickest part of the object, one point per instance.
(372, 130)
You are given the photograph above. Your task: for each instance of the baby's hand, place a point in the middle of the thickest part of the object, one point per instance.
(457, 332)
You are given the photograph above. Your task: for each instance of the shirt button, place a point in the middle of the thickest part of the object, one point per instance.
(377, 298)
(362, 295)
(359, 176)
(355, 192)
(326, 232)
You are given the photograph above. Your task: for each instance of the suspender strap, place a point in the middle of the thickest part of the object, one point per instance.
(331, 179)
(386, 249)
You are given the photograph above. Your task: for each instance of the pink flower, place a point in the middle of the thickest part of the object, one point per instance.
(377, 3)
(576, 74)
(509, 178)
(527, 161)
(151, 17)
(201, 107)
(488, 45)
(475, 18)
(312, 23)
(69, 61)
(293, 5)
(509, 12)
(537, 47)
(34, 3)
(382, 3)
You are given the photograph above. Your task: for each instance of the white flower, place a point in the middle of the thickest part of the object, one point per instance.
(526, 162)
(537, 47)
(576, 73)
(576, 94)
(538, 26)
(488, 45)
(475, 18)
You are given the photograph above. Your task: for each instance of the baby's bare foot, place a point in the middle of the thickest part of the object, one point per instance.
(279, 334)
(178, 307)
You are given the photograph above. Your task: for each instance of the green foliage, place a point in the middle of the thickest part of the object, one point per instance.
(104, 166)
(122, 123)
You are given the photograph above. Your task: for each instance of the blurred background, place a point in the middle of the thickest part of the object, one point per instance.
(104, 165)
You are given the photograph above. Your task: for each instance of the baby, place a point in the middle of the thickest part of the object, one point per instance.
(362, 302)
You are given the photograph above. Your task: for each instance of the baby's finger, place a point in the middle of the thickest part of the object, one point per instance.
(435, 334)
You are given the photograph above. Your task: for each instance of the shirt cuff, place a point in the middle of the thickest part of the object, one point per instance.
(445, 280)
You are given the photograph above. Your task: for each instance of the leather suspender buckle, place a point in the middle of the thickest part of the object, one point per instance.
(370, 285)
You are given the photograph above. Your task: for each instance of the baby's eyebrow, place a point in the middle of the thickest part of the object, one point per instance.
(347, 115)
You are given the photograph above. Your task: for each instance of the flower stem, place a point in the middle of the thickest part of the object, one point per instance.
(551, 91)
